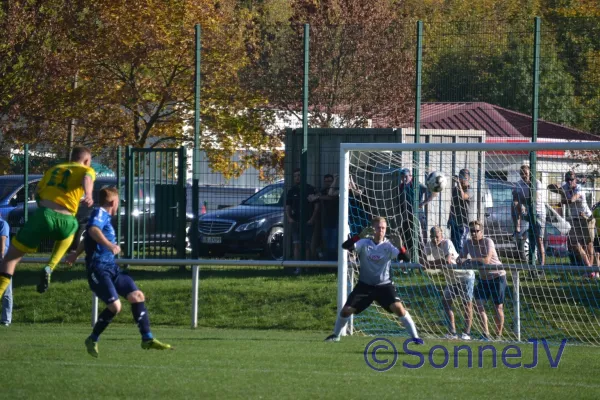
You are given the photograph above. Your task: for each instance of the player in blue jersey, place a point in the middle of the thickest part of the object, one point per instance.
(374, 282)
(105, 277)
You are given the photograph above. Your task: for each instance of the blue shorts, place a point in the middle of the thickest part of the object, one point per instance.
(108, 282)
(494, 288)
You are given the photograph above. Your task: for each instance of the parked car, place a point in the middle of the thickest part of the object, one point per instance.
(254, 227)
(12, 192)
(147, 226)
(499, 224)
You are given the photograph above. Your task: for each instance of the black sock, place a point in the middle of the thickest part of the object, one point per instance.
(141, 318)
(104, 319)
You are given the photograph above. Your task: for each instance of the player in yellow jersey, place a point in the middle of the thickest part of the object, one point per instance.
(58, 194)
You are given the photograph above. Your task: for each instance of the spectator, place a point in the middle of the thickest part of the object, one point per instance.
(441, 253)
(7, 298)
(522, 207)
(292, 212)
(579, 215)
(406, 214)
(329, 200)
(491, 283)
(460, 208)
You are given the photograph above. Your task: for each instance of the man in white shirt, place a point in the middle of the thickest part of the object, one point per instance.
(441, 253)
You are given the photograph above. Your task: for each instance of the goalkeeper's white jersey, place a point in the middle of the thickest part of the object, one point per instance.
(375, 261)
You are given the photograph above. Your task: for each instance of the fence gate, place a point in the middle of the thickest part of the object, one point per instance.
(155, 203)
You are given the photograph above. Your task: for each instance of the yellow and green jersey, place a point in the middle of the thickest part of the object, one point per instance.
(62, 184)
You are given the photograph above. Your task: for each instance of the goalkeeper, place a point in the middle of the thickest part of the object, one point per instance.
(374, 283)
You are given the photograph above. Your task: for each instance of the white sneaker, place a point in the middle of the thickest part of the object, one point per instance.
(451, 336)
(465, 336)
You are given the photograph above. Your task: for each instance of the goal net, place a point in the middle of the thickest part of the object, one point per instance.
(541, 228)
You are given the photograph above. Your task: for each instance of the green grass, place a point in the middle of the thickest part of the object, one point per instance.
(232, 298)
(261, 336)
(50, 361)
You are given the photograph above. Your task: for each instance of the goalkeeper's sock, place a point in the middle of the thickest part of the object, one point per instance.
(105, 318)
(4, 282)
(340, 324)
(59, 250)
(140, 316)
(410, 325)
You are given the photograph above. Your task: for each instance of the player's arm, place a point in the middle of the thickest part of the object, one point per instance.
(396, 241)
(2, 246)
(96, 234)
(75, 254)
(88, 187)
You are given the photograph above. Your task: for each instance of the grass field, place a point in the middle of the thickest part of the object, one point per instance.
(261, 336)
(49, 361)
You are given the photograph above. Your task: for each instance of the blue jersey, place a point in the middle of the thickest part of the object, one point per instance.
(5, 231)
(95, 253)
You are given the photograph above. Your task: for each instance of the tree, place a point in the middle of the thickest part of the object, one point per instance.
(135, 66)
(361, 65)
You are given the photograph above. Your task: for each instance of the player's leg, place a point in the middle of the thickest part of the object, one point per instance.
(389, 300)
(7, 306)
(447, 300)
(8, 265)
(127, 288)
(359, 299)
(498, 294)
(63, 230)
(466, 296)
(27, 240)
(480, 295)
(101, 283)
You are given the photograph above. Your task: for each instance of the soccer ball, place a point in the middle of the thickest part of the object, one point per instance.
(436, 182)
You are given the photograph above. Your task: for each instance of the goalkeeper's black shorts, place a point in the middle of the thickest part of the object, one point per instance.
(364, 295)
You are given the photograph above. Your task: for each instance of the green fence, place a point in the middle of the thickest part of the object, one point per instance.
(381, 77)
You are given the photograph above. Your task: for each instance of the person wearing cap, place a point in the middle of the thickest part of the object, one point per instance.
(522, 209)
(579, 215)
(441, 253)
(406, 214)
(460, 209)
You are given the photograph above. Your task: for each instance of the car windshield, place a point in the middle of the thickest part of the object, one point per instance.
(9, 186)
(501, 194)
(269, 196)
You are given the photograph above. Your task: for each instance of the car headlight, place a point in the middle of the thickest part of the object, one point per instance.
(248, 226)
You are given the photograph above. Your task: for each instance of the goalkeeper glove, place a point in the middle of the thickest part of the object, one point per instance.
(349, 244)
(403, 256)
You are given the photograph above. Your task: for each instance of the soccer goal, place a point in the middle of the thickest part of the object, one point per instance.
(542, 229)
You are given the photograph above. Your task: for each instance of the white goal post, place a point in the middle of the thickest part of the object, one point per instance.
(558, 300)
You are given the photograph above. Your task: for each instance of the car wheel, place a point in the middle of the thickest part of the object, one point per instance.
(274, 248)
